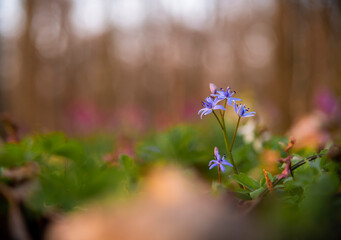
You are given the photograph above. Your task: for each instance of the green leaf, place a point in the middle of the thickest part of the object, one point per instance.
(14, 155)
(126, 162)
(256, 193)
(246, 181)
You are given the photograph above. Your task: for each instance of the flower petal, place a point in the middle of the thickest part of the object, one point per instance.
(236, 107)
(227, 163)
(208, 111)
(209, 100)
(203, 109)
(235, 99)
(224, 161)
(218, 99)
(203, 113)
(230, 102)
(212, 161)
(222, 168)
(250, 114)
(218, 107)
(213, 165)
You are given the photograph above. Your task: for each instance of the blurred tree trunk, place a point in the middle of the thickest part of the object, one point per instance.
(24, 101)
(279, 89)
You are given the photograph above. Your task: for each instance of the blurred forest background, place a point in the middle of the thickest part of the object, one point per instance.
(87, 65)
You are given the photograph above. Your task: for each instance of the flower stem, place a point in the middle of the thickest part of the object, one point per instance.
(222, 125)
(223, 113)
(235, 133)
(219, 174)
(235, 169)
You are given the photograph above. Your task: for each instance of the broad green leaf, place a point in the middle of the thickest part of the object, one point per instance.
(257, 192)
(242, 193)
(246, 181)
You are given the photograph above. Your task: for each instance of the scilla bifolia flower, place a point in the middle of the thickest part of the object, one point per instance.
(242, 111)
(209, 106)
(219, 161)
(226, 95)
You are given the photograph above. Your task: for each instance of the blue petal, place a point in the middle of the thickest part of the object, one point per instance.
(209, 100)
(250, 114)
(235, 108)
(229, 102)
(203, 113)
(214, 165)
(212, 161)
(208, 112)
(203, 109)
(224, 161)
(222, 168)
(227, 163)
(218, 99)
(235, 99)
(218, 107)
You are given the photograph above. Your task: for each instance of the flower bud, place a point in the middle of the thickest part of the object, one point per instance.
(213, 88)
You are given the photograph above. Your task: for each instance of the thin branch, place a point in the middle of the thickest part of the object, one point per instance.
(297, 165)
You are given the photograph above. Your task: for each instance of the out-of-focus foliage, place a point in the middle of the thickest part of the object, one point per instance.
(69, 174)
(308, 205)
(193, 146)
(66, 174)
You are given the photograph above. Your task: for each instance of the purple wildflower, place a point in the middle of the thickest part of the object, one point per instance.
(209, 106)
(242, 111)
(218, 161)
(226, 95)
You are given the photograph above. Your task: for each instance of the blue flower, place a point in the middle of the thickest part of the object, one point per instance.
(218, 161)
(209, 106)
(226, 95)
(242, 111)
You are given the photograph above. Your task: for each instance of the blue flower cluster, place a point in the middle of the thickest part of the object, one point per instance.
(211, 104)
(216, 96)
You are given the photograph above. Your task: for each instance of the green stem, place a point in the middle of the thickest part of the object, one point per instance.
(227, 144)
(235, 133)
(223, 114)
(235, 169)
(222, 127)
